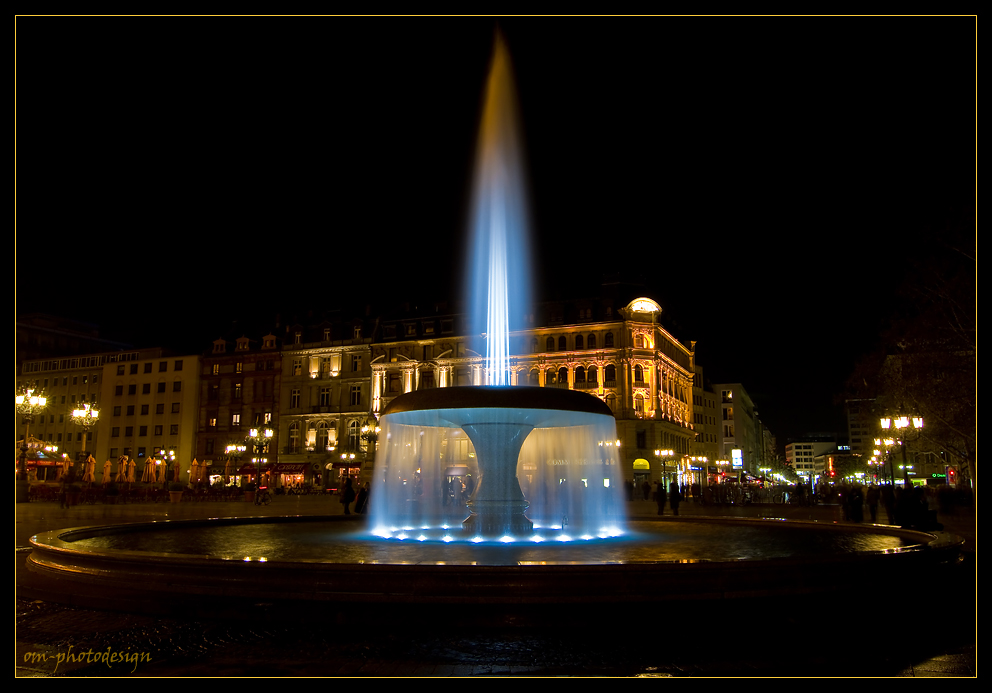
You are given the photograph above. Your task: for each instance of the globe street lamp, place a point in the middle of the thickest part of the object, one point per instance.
(167, 457)
(370, 436)
(663, 456)
(233, 452)
(903, 423)
(28, 401)
(85, 416)
(258, 439)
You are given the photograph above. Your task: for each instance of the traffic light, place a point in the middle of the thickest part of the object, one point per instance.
(952, 476)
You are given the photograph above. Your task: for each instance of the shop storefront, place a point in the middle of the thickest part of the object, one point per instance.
(289, 474)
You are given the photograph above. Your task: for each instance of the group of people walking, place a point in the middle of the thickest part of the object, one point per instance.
(673, 496)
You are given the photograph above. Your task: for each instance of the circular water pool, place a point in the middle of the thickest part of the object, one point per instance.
(197, 566)
(335, 542)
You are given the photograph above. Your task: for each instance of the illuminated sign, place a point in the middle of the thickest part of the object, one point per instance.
(737, 458)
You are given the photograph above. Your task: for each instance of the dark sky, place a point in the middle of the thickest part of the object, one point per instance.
(770, 179)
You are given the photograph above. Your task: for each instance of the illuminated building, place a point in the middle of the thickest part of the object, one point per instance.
(807, 456)
(147, 399)
(738, 426)
(619, 353)
(239, 388)
(324, 399)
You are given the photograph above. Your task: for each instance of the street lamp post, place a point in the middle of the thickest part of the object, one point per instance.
(169, 459)
(370, 436)
(663, 456)
(28, 401)
(903, 423)
(234, 451)
(85, 416)
(258, 438)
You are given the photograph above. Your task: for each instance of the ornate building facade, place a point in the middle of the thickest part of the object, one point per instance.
(620, 354)
(325, 400)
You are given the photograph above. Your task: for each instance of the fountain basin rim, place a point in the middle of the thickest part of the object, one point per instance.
(202, 586)
(491, 397)
(58, 541)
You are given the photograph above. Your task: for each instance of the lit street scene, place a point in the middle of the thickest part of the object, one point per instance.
(558, 346)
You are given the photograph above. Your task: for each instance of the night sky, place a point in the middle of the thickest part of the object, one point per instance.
(772, 181)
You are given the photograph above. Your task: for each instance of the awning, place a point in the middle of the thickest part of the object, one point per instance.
(39, 462)
(288, 468)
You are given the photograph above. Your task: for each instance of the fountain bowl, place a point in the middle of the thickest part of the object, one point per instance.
(148, 579)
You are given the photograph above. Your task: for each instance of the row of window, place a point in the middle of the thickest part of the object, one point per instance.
(142, 451)
(325, 397)
(115, 431)
(163, 366)
(580, 343)
(239, 367)
(159, 409)
(260, 419)
(146, 388)
(75, 380)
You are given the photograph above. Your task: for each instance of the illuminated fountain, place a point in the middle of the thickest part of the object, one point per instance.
(542, 467)
(560, 443)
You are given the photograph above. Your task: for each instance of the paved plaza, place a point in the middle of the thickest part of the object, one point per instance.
(931, 632)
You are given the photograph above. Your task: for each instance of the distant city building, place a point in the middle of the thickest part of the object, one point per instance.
(739, 428)
(807, 456)
(862, 425)
(325, 400)
(146, 398)
(41, 336)
(239, 389)
(707, 423)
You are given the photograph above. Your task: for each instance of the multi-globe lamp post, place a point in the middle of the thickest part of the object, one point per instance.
(663, 457)
(258, 438)
(85, 416)
(234, 452)
(28, 401)
(902, 425)
(168, 458)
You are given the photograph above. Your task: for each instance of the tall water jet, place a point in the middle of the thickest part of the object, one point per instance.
(560, 443)
(499, 280)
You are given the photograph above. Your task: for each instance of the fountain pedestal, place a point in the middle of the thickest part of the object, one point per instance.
(498, 505)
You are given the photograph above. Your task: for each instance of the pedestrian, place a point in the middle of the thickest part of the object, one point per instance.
(661, 497)
(362, 499)
(872, 498)
(889, 501)
(856, 503)
(646, 489)
(675, 497)
(347, 496)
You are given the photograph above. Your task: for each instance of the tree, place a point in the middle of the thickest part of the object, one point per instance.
(925, 364)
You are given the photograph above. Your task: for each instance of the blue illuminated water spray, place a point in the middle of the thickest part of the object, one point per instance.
(500, 266)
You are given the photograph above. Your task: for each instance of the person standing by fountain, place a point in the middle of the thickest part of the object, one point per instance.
(676, 497)
(347, 496)
(362, 500)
